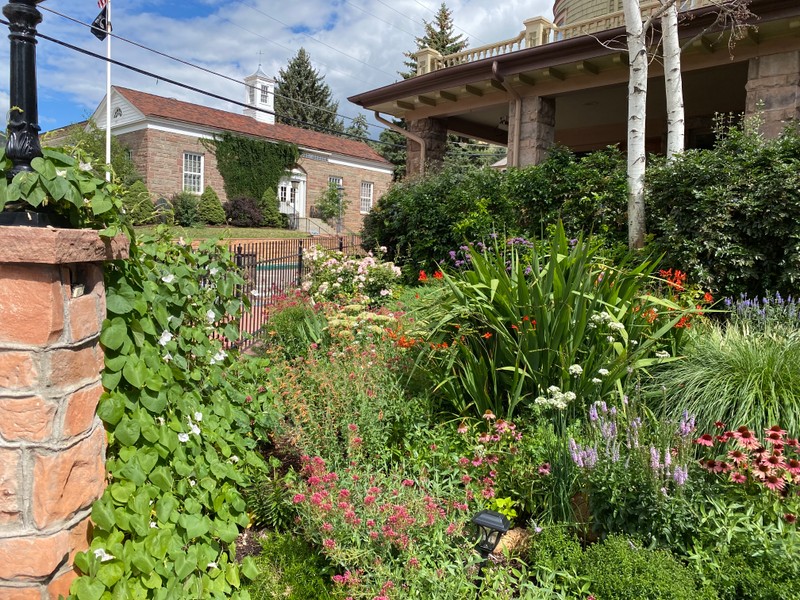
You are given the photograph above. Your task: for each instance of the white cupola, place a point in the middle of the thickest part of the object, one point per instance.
(260, 94)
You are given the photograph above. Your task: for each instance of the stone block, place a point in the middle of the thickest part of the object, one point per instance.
(71, 367)
(22, 593)
(80, 409)
(18, 370)
(66, 482)
(10, 505)
(33, 558)
(84, 317)
(31, 304)
(60, 585)
(27, 419)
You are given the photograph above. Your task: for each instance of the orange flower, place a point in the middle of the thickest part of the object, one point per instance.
(487, 335)
(423, 276)
(438, 275)
(708, 297)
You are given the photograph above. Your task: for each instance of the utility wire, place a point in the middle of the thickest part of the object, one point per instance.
(196, 66)
(200, 91)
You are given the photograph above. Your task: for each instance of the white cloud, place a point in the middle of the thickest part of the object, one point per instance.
(357, 45)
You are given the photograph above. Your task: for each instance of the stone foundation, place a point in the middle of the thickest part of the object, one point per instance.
(52, 446)
(538, 129)
(773, 90)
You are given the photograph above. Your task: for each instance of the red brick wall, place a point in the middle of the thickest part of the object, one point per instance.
(158, 155)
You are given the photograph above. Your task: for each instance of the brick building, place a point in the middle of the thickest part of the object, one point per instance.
(163, 136)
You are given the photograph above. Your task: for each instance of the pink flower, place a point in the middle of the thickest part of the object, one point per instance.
(738, 478)
(356, 441)
(329, 543)
(369, 500)
(413, 562)
(298, 498)
(489, 415)
(451, 529)
(352, 427)
(544, 469)
(705, 440)
(327, 527)
(462, 429)
(407, 482)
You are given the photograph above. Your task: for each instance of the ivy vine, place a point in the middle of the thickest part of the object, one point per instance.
(250, 166)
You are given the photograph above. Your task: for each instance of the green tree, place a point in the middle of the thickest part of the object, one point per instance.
(439, 35)
(303, 99)
(138, 204)
(210, 208)
(92, 140)
(358, 129)
(332, 204)
(269, 209)
(392, 146)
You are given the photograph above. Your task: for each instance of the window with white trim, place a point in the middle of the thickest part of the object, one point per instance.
(335, 181)
(193, 172)
(366, 196)
(264, 94)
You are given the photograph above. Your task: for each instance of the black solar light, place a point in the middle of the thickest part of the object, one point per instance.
(491, 526)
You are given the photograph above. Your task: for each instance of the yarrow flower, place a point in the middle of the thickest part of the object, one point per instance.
(575, 370)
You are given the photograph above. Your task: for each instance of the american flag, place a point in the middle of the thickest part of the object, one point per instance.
(101, 4)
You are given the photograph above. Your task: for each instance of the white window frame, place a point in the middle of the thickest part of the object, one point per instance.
(193, 167)
(264, 93)
(367, 194)
(335, 181)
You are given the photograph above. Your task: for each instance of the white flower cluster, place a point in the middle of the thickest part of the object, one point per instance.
(555, 398)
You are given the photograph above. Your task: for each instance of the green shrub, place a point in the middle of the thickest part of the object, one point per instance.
(138, 204)
(268, 205)
(727, 216)
(290, 568)
(619, 569)
(555, 556)
(270, 499)
(185, 207)
(293, 325)
(332, 204)
(735, 375)
(243, 211)
(209, 209)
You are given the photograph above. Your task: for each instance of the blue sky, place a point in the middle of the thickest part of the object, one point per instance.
(357, 45)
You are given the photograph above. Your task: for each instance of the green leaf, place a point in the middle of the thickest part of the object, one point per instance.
(143, 562)
(127, 431)
(165, 507)
(162, 478)
(155, 403)
(184, 565)
(225, 530)
(135, 371)
(148, 458)
(111, 409)
(250, 567)
(114, 334)
(194, 525)
(121, 491)
(133, 471)
(232, 574)
(103, 513)
(119, 305)
(111, 379)
(110, 573)
(87, 589)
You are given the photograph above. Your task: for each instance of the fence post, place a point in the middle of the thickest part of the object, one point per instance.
(341, 244)
(237, 256)
(299, 262)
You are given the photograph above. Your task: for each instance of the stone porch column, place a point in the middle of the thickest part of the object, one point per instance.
(52, 446)
(773, 89)
(434, 132)
(537, 131)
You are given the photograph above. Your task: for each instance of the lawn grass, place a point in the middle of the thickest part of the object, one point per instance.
(229, 233)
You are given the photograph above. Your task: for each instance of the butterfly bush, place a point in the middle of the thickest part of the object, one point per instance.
(334, 277)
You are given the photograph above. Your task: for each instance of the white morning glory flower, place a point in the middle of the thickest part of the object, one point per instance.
(167, 357)
(165, 338)
(195, 429)
(213, 271)
(103, 555)
(212, 565)
(211, 316)
(168, 278)
(198, 416)
(183, 437)
(218, 357)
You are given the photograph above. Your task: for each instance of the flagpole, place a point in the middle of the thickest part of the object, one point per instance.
(108, 89)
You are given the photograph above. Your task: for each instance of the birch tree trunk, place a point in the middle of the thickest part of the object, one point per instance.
(637, 115)
(673, 82)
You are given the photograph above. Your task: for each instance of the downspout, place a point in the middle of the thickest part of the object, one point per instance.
(411, 136)
(517, 113)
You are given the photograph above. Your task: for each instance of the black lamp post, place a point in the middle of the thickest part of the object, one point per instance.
(22, 142)
(491, 526)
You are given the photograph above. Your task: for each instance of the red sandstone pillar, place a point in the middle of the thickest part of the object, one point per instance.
(52, 446)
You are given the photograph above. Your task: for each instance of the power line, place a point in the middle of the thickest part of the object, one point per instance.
(199, 90)
(196, 66)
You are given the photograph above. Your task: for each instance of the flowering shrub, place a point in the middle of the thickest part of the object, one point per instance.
(333, 277)
(632, 472)
(765, 312)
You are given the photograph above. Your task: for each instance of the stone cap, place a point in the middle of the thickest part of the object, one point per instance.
(51, 246)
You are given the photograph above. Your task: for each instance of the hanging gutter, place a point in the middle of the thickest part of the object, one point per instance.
(407, 134)
(517, 113)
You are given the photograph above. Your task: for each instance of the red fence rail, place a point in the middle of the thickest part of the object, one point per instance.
(272, 267)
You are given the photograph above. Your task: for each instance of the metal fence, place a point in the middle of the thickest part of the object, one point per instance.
(273, 267)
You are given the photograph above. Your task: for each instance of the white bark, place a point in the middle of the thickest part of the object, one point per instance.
(637, 115)
(673, 82)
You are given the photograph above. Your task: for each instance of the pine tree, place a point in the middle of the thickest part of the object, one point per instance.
(359, 128)
(303, 99)
(392, 147)
(439, 36)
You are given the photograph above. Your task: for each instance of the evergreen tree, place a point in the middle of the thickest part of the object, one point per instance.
(392, 147)
(210, 208)
(303, 99)
(439, 36)
(359, 128)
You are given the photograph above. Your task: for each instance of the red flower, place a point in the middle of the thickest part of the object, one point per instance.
(438, 275)
(708, 297)
(745, 437)
(423, 276)
(705, 440)
(487, 335)
(719, 424)
(790, 518)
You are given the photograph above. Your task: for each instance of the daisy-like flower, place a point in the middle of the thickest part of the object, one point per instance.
(705, 440)
(761, 471)
(790, 518)
(737, 456)
(745, 437)
(776, 461)
(489, 415)
(737, 477)
(793, 466)
(774, 483)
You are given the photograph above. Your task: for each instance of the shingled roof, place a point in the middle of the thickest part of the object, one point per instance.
(195, 114)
